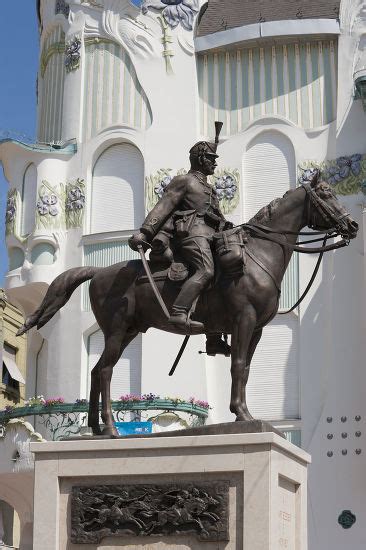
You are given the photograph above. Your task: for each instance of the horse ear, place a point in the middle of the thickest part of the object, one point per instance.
(315, 177)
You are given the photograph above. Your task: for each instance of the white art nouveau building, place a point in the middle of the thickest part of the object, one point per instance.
(124, 91)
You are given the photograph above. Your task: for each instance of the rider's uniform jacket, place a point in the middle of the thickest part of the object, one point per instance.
(194, 205)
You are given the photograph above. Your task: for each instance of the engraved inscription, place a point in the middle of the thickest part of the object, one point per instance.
(147, 510)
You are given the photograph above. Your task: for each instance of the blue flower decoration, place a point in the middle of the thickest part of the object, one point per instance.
(225, 187)
(344, 167)
(160, 188)
(307, 176)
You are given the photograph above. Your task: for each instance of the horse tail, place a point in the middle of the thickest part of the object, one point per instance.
(58, 293)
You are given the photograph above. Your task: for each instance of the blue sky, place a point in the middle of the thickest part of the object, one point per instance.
(19, 46)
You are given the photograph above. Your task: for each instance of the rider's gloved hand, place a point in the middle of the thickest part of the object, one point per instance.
(138, 239)
(228, 225)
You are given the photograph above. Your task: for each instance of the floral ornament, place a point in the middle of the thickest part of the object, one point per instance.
(160, 188)
(346, 174)
(175, 12)
(226, 184)
(10, 211)
(62, 7)
(50, 206)
(72, 54)
(47, 204)
(307, 176)
(344, 167)
(75, 202)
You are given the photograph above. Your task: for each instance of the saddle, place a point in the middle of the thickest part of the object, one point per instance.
(229, 250)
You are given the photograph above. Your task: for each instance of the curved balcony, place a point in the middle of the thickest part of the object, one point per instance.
(60, 420)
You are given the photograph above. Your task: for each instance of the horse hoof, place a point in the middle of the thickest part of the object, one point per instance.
(110, 431)
(244, 417)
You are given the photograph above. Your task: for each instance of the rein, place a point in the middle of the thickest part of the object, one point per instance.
(264, 232)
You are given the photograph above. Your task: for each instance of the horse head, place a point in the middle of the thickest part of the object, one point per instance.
(324, 211)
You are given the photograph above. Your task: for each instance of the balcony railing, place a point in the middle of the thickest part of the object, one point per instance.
(70, 419)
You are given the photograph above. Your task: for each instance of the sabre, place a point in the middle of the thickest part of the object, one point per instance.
(152, 282)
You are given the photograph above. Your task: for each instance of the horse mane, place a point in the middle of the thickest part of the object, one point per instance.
(266, 213)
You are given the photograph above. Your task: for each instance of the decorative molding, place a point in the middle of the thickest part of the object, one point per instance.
(166, 40)
(62, 7)
(346, 175)
(12, 204)
(150, 510)
(56, 48)
(93, 3)
(75, 203)
(72, 54)
(174, 12)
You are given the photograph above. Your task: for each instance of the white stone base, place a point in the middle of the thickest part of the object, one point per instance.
(267, 476)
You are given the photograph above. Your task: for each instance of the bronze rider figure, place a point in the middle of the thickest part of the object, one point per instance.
(192, 203)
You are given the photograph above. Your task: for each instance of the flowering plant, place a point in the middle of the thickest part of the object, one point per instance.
(130, 398)
(199, 403)
(81, 402)
(8, 408)
(54, 401)
(35, 401)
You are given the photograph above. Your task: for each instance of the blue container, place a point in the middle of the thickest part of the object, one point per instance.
(133, 428)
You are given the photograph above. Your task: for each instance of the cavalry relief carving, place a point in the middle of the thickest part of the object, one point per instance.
(147, 510)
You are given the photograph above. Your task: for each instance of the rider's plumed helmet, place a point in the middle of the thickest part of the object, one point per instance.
(206, 147)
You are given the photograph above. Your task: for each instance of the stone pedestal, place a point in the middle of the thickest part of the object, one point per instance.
(210, 492)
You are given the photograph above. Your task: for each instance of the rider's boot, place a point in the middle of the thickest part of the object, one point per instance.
(215, 345)
(180, 319)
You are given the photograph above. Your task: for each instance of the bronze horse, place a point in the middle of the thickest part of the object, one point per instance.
(240, 306)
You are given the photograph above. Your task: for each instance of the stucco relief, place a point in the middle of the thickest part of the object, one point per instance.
(11, 211)
(61, 205)
(346, 175)
(226, 181)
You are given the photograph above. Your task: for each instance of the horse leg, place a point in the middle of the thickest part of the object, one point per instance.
(240, 344)
(251, 349)
(114, 347)
(93, 416)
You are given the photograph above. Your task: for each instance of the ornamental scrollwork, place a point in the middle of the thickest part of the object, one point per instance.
(346, 174)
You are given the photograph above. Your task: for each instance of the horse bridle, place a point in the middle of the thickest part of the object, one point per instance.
(321, 207)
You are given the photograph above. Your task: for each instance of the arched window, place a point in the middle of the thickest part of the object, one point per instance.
(273, 389)
(126, 377)
(269, 170)
(29, 199)
(118, 190)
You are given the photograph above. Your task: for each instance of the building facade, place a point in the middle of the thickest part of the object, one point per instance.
(124, 90)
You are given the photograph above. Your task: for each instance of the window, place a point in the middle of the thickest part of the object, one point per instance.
(118, 190)
(11, 375)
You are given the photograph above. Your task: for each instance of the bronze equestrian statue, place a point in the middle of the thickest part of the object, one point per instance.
(243, 296)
